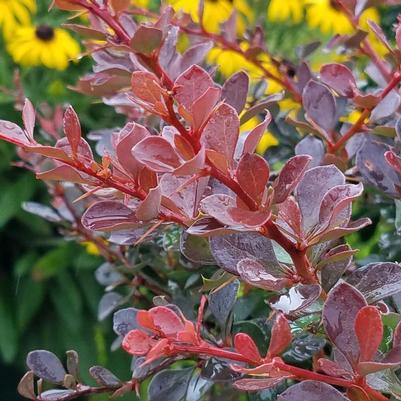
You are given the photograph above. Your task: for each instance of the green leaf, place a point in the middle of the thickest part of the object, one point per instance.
(29, 297)
(8, 329)
(12, 197)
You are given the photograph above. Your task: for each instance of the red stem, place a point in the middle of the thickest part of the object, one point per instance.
(358, 125)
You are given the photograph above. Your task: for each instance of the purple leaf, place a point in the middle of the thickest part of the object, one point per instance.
(157, 154)
(335, 206)
(235, 90)
(311, 391)
(228, 250)
(289, 177)
(374, 168)
(124, 320)
(311, 190)
(377, 280)
(386, 107)
(255, 274)
(339, 77)
(108, 216)
(46, 365)
(339, 313)
(297, 299)
(320, 105)
(312, 146)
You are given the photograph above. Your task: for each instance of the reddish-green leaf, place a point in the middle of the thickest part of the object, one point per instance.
(146, 40)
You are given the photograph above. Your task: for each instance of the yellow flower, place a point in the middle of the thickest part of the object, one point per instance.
(268, 139)
(42, 45)
(328, 17)
(140, 3)
(283, 10)
(14, 13)
(215, 12)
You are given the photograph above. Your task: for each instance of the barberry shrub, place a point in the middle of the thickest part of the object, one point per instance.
(282, 308)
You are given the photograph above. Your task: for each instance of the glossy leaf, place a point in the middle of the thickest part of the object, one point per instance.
(222, 301)
(46, 365)
(252, 175)
(289, 177)
(312, 391)
(108, 216)
(72, 129)
(339, 313)
(169, 385)
(339, 77)
(245, 345)
(281, 336)
(320, 105)
(369, 331)
(235, 90)
(377, 280)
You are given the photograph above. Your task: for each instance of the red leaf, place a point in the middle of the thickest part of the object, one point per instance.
(11, 132)
(224, 209)
(203, 106)
(28, 116)
(221, 131)
(332, 368)
(191, 85)
(280, 336)
(128, 137)
(157, 154)
(148, 93)
(66, 173)
(290, 216)
(254, 136)
(339, 77)
(165, 320)
(252, 175)
(369, 330)
(136, 342)
(289, 177)
(245, 345)
(149, 208)
(72, 129)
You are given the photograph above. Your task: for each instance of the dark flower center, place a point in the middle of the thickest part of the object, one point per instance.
(335, 5)
(44, 32)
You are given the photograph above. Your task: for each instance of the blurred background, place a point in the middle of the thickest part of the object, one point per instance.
(48, 295)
